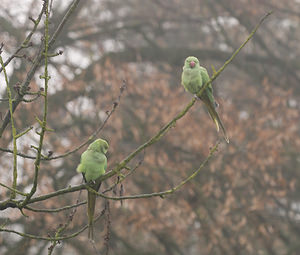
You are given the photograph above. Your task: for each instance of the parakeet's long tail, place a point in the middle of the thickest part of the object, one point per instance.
(91, 209)
(215, 117)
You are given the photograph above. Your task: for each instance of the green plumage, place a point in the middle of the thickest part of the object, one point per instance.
(193, 78)
(93, 164)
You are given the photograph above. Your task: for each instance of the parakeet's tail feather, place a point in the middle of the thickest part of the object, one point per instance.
(215, 117)
(213, 114)
(91, 232)
(216, 122)
(223, 129)
(91, 209)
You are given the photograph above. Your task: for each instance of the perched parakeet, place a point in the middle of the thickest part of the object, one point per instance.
(93, 164)
(193, 78)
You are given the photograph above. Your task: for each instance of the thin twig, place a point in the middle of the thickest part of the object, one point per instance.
(44, 238)
(55, 210)
(14, 132)
(107, 228)
(123, 177)
(14, 190)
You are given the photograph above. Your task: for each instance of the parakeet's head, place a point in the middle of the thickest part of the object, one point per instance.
(191, 62)
(99, 145)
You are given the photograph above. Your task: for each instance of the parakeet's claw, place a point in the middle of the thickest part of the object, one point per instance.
(195, 96)
(226, 139)
(93, 182)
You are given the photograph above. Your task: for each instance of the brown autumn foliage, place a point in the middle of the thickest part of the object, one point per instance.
(245, 201)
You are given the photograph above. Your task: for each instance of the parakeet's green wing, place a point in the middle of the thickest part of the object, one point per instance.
(210, 103)
(205, 79)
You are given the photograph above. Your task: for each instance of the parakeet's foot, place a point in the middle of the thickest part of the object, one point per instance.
(226, 139)
(92, 241)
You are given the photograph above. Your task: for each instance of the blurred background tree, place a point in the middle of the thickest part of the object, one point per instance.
(245, 202)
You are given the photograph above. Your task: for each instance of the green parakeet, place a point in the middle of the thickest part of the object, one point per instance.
(193, 78)
(93, 164)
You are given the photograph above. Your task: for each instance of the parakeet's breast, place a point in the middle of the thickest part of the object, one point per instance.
(93, 165)
(191, 80)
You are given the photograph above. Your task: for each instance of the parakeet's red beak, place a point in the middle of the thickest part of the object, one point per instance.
(192, 64)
